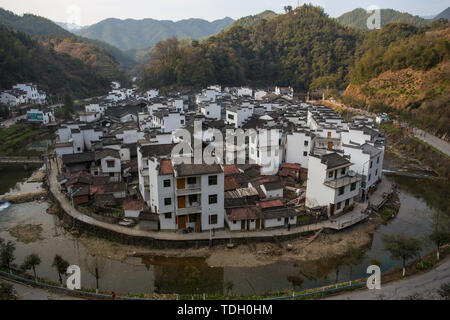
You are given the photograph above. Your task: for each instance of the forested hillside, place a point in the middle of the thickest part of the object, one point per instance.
(251, 21)
(23, 59)
(358, 18)
(305, 48)
(405, 70)
(42, 27)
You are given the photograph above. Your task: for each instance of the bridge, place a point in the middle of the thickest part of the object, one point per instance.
(25, 160)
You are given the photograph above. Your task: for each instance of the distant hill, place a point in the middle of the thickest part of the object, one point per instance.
(135, 35)
(39, 26)
(69, 26)
(358, 18)
(251, 21)
(23, 59)
(443, 15)
(31, 24)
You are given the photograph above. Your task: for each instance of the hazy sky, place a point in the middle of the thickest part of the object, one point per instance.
(87, 12)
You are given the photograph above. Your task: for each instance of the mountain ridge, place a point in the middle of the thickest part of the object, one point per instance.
(132, 35)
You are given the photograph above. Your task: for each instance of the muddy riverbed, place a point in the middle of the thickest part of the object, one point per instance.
(255, 269)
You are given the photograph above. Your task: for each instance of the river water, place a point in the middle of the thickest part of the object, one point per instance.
(188, 275)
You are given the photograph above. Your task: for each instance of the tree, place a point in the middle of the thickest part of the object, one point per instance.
(7, 254)
(288, 9)
(228, 285)
(444, 291)
(439, 238)
(69, 107)
(31, 262)
(402, 248)
(61, 266)
(355, 256)
(97, 268)
(7, 291)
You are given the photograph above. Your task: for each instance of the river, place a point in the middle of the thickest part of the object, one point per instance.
(188, 275)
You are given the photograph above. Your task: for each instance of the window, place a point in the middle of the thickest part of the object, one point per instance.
(378, 160)
(305, 154)
(347, 202)
(192, 218)
(353, 187)
(110, 164)
(330, 175)
(212, 180)
(371, 164)
(306, 143)
(166, 183)
(182, 121)
(168, 201)
(376, 172)
(341, 191)
(213, 199)
(192, 180)
(370, 177)
(343, 171)
(213, 219)
(111, 174)
(231, 117)
(168, 215)
(279, 219)
(339, 205)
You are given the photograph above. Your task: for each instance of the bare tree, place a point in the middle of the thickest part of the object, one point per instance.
(97, 267)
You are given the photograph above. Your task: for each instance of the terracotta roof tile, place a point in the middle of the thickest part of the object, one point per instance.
(166, 168)
(133, 205)
(271, 204)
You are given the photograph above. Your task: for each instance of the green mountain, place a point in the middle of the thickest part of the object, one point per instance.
(251, 21)
(301, 49)
(358, 18)
(443, 15)
(39, 26)
(23, 59)
(133, 36)
(404, 70)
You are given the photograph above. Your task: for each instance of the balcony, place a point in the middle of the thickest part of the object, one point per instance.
(342, 182)
(190, 189)
(189, 210)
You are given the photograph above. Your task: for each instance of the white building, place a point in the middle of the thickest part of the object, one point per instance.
(168, 121)
(244, 92)
(44, 116)
(331, 183)
(298, 147)
(266, 151)
(211, 111)
(151, 94)
(260, 94)
(287, 93)
(208, 95)
(185, 196)
(367, 162)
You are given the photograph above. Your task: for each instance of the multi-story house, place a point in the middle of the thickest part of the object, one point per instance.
(331, 183)
(186, 196)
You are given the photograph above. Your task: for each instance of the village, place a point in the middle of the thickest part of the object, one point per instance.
(297, 164)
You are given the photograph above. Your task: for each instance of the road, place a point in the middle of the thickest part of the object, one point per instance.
(426, 285)
(434, 141)
(10, 122)
(31, 293)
